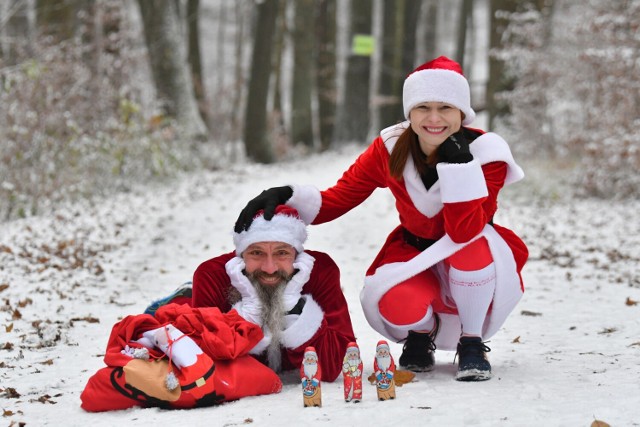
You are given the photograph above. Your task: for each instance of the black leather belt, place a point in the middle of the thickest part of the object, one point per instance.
(200, 381)
(417, 242)
(420, 243)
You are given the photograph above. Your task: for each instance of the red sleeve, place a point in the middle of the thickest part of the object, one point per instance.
(365, 175)
(335, 331)
(464, 220)
(211, 284)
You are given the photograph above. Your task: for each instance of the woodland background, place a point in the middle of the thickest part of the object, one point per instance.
(96, 96)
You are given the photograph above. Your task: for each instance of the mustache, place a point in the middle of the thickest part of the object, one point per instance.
(259, 274)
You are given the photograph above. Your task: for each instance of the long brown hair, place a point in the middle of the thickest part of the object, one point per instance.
(408, 144)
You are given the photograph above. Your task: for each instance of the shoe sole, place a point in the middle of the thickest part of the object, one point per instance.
(473, 375)
(415, 368)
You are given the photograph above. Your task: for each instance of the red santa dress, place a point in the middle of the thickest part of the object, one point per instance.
(455, 211)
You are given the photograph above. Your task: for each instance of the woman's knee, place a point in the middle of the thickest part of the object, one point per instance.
(408, 302)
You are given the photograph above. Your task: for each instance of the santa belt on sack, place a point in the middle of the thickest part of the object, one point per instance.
(200, 381)
(420, 243)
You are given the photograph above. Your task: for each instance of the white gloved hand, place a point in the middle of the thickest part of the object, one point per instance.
(304, 264)
(249, 306)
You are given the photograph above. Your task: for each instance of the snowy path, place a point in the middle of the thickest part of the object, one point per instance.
(568, 355)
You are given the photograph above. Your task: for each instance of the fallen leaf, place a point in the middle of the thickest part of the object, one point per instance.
(88, 319)
(516, 340)
(9, 328)
(11, 393)
(3, 286)
(402, 377)
(608, 331)
(629, 301)
(598, 423)
(530, 313)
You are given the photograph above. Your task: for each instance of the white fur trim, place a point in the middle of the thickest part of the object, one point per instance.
(306, 200)
(281, 228)
(491, 147)
(262, 345)
(461, 182)
(438, 85)
(507, 294)
(487, 148)
(305, 327)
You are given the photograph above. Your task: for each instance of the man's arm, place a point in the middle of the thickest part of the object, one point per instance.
(211, 284)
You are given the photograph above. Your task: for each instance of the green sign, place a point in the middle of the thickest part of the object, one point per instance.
(362, 44)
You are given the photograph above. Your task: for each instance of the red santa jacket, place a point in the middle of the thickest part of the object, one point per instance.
(324, 323)
(453, 212)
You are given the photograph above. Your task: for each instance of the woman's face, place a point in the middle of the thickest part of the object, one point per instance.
(434, 122)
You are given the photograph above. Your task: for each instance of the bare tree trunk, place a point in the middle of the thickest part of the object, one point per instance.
(430, 14)
(17, 34)
(256, 135)
(195, 61)
(466, 14)
(240, 80)
(303, 48)
(497, 78)
(353, 121)
(169, 67)
(326, 28)
(57, 18)
(398, 56)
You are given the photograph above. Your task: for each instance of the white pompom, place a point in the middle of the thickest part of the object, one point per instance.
(141, 353)
(171, 381)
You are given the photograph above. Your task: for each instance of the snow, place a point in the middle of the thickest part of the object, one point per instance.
(567, 356)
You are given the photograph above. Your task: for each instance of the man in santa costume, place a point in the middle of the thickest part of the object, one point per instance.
(292, 294)
(448, 276)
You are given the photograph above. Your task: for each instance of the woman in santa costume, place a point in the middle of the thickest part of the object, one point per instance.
(447, 277)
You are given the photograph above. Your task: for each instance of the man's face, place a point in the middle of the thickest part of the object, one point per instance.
(269, 262)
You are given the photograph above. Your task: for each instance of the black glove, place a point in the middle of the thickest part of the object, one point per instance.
(268, 200)
(455, 149)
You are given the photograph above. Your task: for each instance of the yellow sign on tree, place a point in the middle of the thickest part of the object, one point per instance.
(362, 44)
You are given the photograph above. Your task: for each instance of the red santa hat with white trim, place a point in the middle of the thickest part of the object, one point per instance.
(439, 80)
(285, 226)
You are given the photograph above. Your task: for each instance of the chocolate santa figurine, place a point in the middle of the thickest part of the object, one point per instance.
(310, 375)
(352, 374)
(384, 369)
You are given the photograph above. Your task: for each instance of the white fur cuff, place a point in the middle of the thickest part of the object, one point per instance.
(461, 182)
(305, 327)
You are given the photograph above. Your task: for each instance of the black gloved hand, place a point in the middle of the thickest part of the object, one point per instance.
(455, 149)
(268, 200)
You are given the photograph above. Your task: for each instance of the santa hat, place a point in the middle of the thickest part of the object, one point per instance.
(352, 347)
(310, 352)
(439, 80)
(285, 226)
(382, 345)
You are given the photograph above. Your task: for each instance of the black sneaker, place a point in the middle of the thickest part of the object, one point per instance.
(418, 351)
(472, 360)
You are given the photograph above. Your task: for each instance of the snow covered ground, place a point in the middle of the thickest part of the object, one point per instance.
(568, 355)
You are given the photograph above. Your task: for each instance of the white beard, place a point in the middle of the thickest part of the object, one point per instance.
(384, 362)
(310, 369)
(273, 313)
